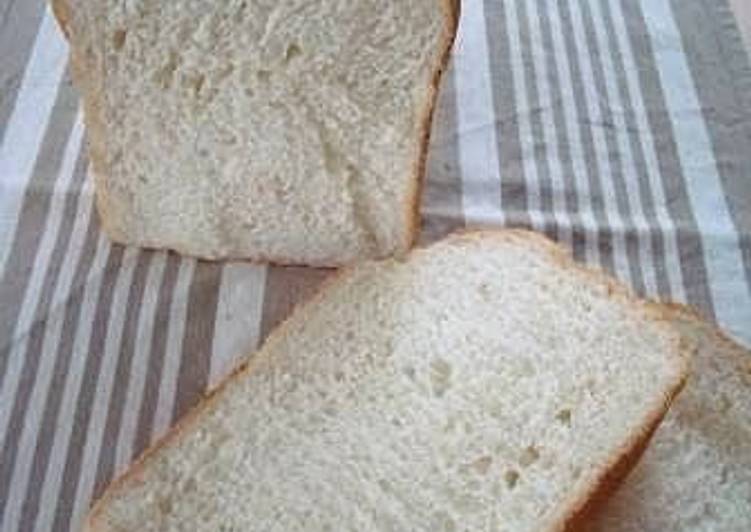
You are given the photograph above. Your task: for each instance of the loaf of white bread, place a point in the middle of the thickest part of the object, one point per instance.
(696, 474)
(483, 383)
(293, 131)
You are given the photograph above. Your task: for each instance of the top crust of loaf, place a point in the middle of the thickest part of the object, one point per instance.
(112, 212)
(582, 504)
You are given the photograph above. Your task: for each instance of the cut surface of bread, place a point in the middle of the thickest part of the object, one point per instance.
(484, 383)
(293, 131)
(696, 474)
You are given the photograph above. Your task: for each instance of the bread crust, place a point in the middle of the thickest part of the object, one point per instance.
(452, 14)
(60, 10)
(696, 411)
(92, 118)
(582, 505)
(588, 504)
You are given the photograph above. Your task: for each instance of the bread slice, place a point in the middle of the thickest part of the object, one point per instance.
(484, 383)
(293, 131)
(696, 475)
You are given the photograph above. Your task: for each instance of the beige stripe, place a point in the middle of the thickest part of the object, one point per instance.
(27, 125)
(104, 383)
(195, 365)
(32, 296)
(59, 450)
(286, 287)
(40, 386)
(237, 330)
(139, 363)
(32, 217)
(172, 356)
(64, 501)
(121, 382)
(158, 349)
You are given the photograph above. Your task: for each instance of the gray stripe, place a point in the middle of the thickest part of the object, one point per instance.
(442, 197)
(106, 464)
(642, 177)
(513, 185)
(15, 280)
(550, 226)
(741, 10)
(690, 246)
(33, 215)
(592, 165)
(65, 352)
(722, 76)
(616, 162)
(19, 24)
(287, 286)
(157, 351)
(193, 377)
(571, 198)
(84, 404)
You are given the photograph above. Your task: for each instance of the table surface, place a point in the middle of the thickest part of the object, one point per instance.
(621, 128)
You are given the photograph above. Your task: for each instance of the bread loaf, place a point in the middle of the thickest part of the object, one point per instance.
(484, 383)
(293, 131)
(696, 475)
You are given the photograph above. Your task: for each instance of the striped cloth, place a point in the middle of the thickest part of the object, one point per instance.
(621, 128)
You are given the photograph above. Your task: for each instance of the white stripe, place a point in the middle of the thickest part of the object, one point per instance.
(656, 184)
(478, 145)
(550, 131)
(173, 354)
(27, 125)
(727, 281)
(612, 216)
(238, 318)
(526, 137)
(64, 427)
(10, 381)
(571, 119)
(172, 359)
(631, 176)
(105, 380)
(48, 355)
(140, 363)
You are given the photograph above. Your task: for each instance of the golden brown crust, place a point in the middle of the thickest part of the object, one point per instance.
(61, 11)
(584, 503)
(698, 330)
(452, 12)
(613, 476)
(81, 70)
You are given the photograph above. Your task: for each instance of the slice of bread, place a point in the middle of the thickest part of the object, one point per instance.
(696, 474)
(293, 131)
(484, 383)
